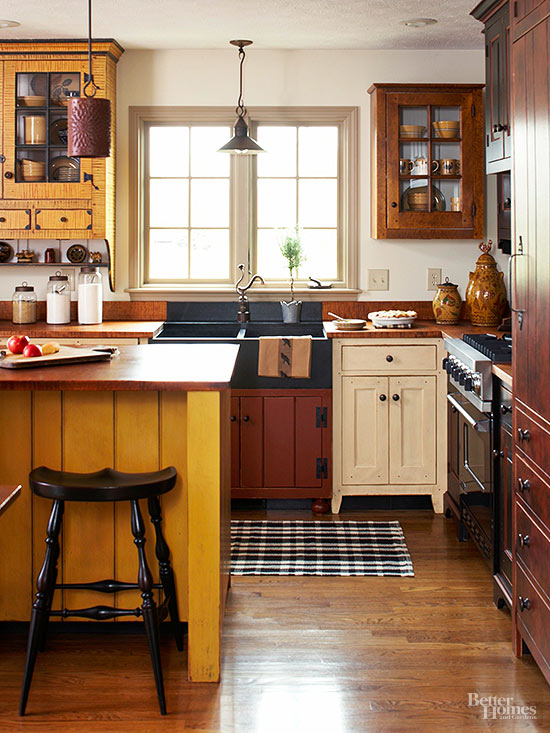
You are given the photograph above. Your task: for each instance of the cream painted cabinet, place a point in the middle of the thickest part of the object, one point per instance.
(389, 421)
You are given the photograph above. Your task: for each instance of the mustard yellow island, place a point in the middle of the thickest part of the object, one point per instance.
(150, 407)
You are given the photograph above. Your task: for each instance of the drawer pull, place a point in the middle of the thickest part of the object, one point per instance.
(232, 418)
(395, 397)
(63, 219)
(498, 453)
(523, 485)
(246, 418)
(523, 540)
(524, 604)
(524, 435)
(505, 409)
(8, 175)
(2, 219)
(382, 398)
(389, 357)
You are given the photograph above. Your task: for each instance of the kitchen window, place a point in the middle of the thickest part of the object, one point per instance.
(198, 213)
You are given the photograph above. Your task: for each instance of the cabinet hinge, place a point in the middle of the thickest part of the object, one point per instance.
(473, 110)
(474, 209)
(322, 468)
(320, 417)
(515, 10)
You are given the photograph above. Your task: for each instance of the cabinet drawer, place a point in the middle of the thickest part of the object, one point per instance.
(534, 491)
(535, 619)
(532, 439)
(15, 219)
(63, 219)
(532, 547)
(388, 358)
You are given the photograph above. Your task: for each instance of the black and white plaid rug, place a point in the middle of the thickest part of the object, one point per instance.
(318, 548)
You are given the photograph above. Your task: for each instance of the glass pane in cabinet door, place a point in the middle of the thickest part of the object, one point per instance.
(451, 192)
(63, 169)
(63, 86)
(445, 159)
(446, 122)
(414, 195)
(413, 122)
(57, 132)
(413, 159)
(31, 127)
(30, 166)
(31, 90)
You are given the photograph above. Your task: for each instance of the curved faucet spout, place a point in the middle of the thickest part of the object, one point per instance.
(243, 314)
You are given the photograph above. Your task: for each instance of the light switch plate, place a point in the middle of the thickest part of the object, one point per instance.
(378, 279)
(433, 278)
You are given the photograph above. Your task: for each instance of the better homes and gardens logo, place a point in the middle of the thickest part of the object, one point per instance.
(501, 708)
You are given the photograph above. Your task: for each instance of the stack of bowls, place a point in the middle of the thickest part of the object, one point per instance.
(34, 100)
(33, 170)
(65, 174)
(411, 130)
(418, 200)
(446, 128)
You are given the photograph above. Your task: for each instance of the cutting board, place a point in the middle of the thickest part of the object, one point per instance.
(65, 355)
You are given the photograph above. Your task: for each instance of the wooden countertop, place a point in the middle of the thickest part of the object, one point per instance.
(107, 329)
(166, 367)
(504, 373)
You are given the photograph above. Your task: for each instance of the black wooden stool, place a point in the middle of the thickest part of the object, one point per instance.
(105, 485)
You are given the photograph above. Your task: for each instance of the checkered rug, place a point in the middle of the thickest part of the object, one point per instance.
(319, 548)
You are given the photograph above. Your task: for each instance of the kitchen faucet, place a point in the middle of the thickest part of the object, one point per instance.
(243, 314)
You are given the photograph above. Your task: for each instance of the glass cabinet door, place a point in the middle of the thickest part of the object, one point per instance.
(35, 131)
(427, 162)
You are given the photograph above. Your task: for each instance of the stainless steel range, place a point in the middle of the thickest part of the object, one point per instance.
(470, 373)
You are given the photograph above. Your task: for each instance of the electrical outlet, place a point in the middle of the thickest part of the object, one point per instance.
(434, 278)
(70, 275)
(378, 279)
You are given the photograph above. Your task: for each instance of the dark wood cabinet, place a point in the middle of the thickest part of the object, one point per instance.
(427, 161)
(531, 326)
(503, 469)
(498, 140)
(281, 444)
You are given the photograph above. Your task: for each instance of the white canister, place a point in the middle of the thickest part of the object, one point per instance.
(58, 299)
(90, 295)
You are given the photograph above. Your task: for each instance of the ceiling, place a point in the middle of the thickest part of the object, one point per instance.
(271, 24)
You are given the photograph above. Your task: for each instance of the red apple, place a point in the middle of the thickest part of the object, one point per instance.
(16, 344)
(32, 350)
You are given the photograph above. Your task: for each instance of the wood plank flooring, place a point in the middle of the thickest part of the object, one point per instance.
(305, 654)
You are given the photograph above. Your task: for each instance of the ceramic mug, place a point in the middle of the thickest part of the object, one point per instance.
(35, 130)
(449, 166)
(435, 166)
(420, 166)
(405, 166)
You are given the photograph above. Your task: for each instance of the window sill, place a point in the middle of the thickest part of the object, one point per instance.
(257, 293)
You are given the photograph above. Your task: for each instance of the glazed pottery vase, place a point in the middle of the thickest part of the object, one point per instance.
(486, 294)
(447, 303)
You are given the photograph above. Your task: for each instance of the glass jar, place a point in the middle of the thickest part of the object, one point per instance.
(90, 295)
(24, 304)
(58, 299)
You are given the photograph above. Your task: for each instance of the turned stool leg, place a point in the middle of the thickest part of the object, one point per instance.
(148, 607)
(166, 573)
(45, 586)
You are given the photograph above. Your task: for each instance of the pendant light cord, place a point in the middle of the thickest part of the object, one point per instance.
(90, 81)
(241, 109)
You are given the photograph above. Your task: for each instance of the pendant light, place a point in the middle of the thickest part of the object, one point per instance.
(241, 143)
(89, 117)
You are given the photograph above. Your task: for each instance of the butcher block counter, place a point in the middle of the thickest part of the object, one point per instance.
(105, 330)
(149, 407)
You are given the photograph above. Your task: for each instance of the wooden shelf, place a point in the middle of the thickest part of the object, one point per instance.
(54, 264)
(430, 139)
(424, 177)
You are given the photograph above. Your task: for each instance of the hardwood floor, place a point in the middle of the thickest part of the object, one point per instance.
(305, 654)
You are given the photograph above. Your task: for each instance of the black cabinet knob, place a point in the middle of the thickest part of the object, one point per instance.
(524, 604)
(394, 204)
(8, 174)
(498, 453)
(389, 357)
(246, 418)
(523, 485)
(524, 435)
(523, 540)
(505, 409)
(63, 219)
(232, 418)
(382, 398)
(2, 219)
(395, 397)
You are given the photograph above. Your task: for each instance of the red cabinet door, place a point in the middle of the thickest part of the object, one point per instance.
(279, 442)
(309, 448)
(235, 442)
(251, 441)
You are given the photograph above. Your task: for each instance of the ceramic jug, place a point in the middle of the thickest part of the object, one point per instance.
(486, 293)
(447, 303)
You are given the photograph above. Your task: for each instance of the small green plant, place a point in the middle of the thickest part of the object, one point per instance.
(292, 250)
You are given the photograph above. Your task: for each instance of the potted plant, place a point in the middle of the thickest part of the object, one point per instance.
(293, 252)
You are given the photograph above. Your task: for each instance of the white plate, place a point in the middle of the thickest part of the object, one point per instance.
(384, 321)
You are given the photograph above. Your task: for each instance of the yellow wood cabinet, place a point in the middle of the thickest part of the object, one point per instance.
(45, 194)
(389, 419)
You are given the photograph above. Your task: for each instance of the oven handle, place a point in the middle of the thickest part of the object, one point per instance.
(482, 426)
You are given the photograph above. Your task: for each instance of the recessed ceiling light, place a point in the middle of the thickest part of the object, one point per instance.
(9, 24)
(419, 22)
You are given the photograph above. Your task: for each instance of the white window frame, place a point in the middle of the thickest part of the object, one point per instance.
(242, 201)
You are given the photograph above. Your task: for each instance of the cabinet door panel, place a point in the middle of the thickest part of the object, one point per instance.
(308, 441)
(365, 430)
(279, 441)
(235, 443)
(252, 464)
(15, 219)
(495, 43)
(412, 430)
(63, 219)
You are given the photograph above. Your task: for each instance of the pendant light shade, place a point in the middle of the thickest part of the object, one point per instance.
(241, 143)
(88, 117)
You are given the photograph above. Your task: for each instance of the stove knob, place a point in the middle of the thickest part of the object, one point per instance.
(445, 362)
(449, 365)
(462, 377)
(468, 384)
(456, 371)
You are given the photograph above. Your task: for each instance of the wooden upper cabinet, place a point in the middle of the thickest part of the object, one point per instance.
(427, 161)
(498, 129)
(526, 14)
(37, 175)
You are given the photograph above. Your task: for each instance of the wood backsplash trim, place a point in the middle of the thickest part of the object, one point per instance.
(113, 310)
(361, 308)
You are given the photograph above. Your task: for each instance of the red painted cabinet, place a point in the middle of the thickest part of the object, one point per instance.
(281, 444)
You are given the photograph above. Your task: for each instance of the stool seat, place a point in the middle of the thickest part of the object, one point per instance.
(104, 485)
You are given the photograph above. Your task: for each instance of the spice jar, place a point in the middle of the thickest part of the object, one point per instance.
(58, 299)
(90, 295)
(24, 304)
